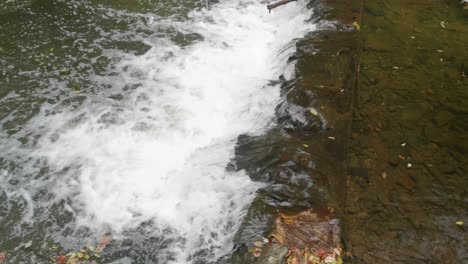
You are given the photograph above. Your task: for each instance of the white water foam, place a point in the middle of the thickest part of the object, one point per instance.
(161, 153)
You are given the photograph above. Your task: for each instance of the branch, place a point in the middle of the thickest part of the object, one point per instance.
(280, 3)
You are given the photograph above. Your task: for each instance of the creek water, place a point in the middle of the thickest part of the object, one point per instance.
(120, 117)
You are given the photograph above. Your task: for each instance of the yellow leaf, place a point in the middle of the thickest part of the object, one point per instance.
(86, 256)
(357, 26)
(339, 260)
(72, 260)
(305, 145)
(459, 223)
(80, 255)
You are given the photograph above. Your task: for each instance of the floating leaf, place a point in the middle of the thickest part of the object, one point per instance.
(443, 24)
(409, 165)
(332, 138)
(51, 49)
(305, 145)
(77, 91)
(86, 256)
(459, 223)
(80, 255)
(54, 247)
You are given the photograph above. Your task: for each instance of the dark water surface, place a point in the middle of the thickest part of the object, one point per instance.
(408, 161)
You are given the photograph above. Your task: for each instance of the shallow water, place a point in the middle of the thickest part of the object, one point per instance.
(407, 187)
(121, 118)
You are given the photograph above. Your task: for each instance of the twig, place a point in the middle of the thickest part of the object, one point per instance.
(280, 3)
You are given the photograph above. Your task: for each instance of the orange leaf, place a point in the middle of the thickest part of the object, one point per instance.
(61, 259)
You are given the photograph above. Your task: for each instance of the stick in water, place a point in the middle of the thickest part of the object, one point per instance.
(279, 3)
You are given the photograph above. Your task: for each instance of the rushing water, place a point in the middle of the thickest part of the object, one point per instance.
(120, 117)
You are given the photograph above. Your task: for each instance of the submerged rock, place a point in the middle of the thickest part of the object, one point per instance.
(307, 229)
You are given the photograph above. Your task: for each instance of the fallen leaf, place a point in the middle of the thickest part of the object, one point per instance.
(357, 26)
(73, 260)
(337, 251)
(443, 24)
(61, 259)
(459, 223)
(330, 259)
(403, 144)
(339, 260)
(2, 256)
(80, 255)
(409, 165)
(384, 175)
(257, 252)
(332, 138)
(106, 239)
(258, 244)
(86, 256)
(321, 253)
(305, 145)
(313, 111)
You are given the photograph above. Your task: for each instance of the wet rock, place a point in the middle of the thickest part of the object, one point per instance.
(271, 254)
(294, 116)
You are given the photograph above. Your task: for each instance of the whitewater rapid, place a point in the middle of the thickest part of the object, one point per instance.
(157, 155)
